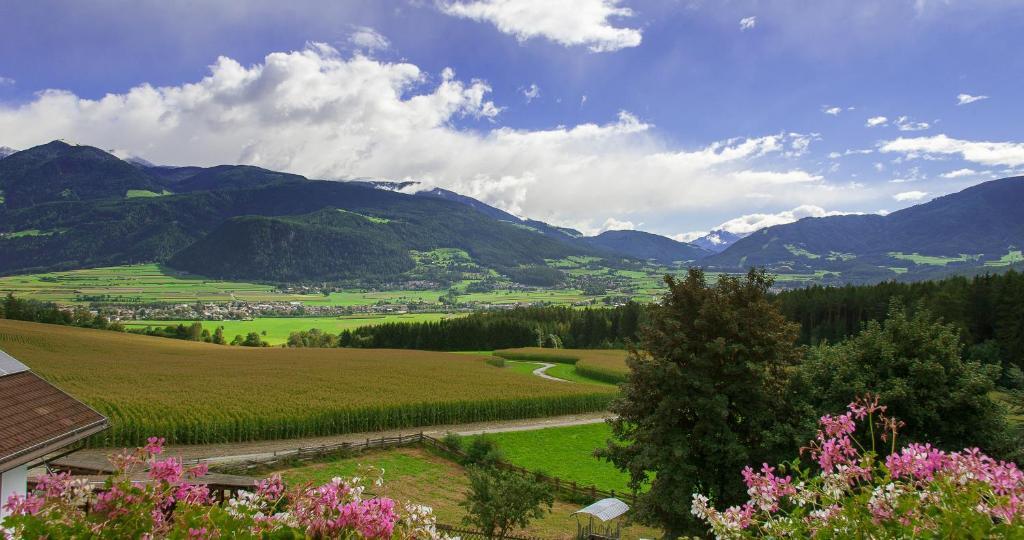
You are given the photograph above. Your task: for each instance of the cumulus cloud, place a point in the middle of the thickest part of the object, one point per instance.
(531, 93)
(747, 23)
(368, 39)
(834, 111)
(904, 123)
(966, 99)
(6, 81)
(580, 22)
(910, 196)
(1010, 154)
(317, 113)
(876, 121)
(753, 222)
(612, 224)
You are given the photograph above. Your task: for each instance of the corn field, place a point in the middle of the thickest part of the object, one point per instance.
(193, 393)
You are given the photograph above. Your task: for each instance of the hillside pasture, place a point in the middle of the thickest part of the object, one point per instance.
(564, 452)
(193, 393)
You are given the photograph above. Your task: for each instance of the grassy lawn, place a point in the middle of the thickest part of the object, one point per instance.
(416, 475)
(565, 452)
(278, 328)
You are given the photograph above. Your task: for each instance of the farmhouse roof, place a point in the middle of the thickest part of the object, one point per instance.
(37, 418)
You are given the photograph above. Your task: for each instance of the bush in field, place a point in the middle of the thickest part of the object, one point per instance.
(173, 505)
(916, 492)
(453, 440)
(915, 365)
(700, 401)
(499, 501)
(483, 451)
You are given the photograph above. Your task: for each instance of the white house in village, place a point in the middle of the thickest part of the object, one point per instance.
(37, 420)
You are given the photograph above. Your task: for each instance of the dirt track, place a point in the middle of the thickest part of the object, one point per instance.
(228, 452)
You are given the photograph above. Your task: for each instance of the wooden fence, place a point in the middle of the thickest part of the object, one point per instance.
(566, 489)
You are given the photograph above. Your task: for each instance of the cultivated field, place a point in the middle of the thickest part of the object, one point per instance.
(275, 330)
(193, 392)
(606, 365)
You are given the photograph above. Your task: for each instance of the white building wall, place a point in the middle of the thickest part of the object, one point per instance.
(11, 482)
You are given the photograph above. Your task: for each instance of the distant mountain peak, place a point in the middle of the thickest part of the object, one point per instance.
(6, 151)
(718, 240)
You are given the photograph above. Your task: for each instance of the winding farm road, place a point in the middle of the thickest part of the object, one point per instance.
(242, 451)
(542, 372)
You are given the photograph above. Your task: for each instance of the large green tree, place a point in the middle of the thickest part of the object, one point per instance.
(703, 397)
(499, 501)
(914, 364)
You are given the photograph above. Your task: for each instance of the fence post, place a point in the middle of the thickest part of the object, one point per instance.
(593, 492)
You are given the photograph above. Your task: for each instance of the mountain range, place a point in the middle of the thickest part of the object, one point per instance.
(67, 206)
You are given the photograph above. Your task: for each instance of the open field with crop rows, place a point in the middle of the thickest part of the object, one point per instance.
(277, 329)
(193, 392)
(606, 365)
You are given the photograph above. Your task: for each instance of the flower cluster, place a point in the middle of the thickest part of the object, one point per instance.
(916, 490)
(170, 501)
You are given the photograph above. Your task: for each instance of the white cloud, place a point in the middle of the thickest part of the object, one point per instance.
(770, 177)
(688, 236)
(1010, 154)
(580, 22)
(834, 111)
(747, 23)
(904, 123)
(752, 222)
(612, 224)
(960, 173)
(834, 155)
(317, 113)
(583, 100)
(875, 121)
(369, 39)
(5, 81)
(965, 99)
(910, 196)
(531, 93)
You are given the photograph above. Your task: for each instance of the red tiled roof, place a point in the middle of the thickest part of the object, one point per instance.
(38, 418)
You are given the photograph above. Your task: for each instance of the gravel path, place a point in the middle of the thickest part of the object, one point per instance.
(542, 372)
(229, 452)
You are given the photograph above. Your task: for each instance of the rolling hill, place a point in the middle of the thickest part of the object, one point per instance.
(66, 207)
(644, 245)
(979, 227)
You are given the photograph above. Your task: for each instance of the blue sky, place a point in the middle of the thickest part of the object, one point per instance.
(672, 116)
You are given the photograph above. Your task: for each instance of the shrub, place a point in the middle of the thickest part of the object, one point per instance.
(453, 441)
(918, 491)
(483, 451)
(496, 361)
(173, 505)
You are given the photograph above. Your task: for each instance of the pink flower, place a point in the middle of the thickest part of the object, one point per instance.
(270, 488)
(766, 489)
(28, 504)
(154, 445)
(168, 470)
(376, 518)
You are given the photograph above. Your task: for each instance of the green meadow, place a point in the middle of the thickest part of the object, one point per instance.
(275, 330)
